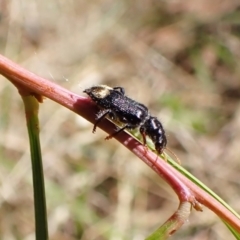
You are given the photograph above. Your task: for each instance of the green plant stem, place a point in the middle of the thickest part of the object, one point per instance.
(31, 108)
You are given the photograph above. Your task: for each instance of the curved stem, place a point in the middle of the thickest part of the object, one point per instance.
(184, 188)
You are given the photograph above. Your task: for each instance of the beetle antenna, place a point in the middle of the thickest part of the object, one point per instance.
(177, 158)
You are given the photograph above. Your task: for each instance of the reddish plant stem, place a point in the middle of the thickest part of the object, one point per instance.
(29, 83)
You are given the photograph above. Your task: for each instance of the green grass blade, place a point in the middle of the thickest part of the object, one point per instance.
(31, 108)
(210, 192)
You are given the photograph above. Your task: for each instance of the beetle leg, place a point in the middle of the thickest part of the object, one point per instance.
(101, 114)
(143, 133)
(120, 89)
(117, 132)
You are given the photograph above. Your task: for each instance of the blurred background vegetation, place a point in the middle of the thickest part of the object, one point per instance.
(180, 58)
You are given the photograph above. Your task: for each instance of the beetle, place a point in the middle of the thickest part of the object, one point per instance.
(114, 104)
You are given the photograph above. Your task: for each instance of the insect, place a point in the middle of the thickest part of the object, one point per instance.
(113, 103)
